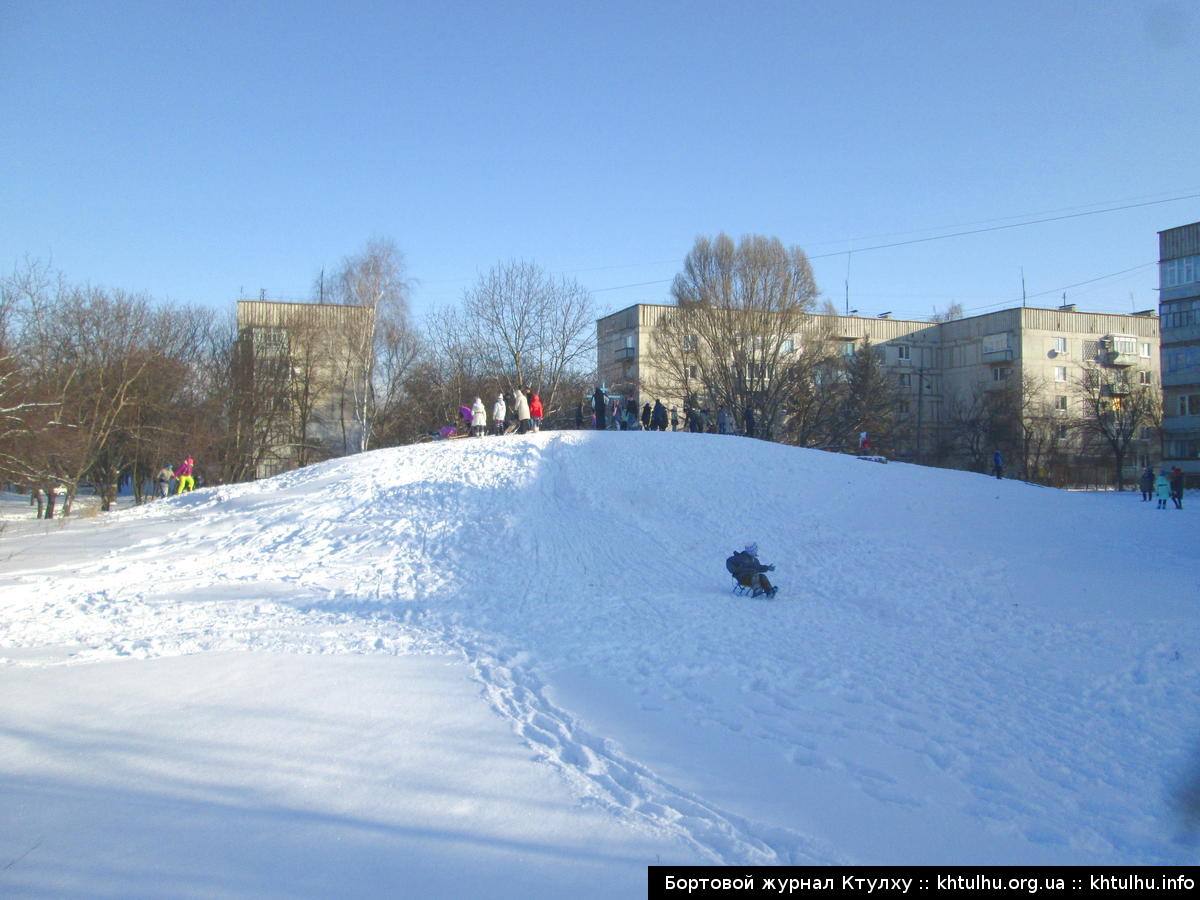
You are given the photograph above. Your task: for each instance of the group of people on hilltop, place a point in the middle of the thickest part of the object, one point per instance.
(521, 411)
(1162, 487)
(611, 412)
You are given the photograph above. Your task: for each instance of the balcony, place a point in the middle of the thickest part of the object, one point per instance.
(1121, 350)
(625, 352)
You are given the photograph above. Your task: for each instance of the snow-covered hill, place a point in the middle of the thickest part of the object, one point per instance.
(516, 662)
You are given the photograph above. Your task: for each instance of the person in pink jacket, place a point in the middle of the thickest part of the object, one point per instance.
(184, 474)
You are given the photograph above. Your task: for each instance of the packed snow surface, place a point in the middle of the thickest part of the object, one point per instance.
(513, 667)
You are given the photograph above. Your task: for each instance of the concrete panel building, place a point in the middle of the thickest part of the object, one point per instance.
(938, 367)
(301, 370)
(1179, 311)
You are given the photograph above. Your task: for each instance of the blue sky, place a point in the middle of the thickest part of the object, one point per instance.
(200, 151)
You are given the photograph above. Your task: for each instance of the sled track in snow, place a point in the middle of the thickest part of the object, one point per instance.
(625, 789)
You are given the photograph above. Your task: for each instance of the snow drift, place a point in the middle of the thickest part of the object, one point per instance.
(956, 669)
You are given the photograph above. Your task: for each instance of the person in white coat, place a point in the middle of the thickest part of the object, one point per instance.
(478, 418)
(521, 410)
(499, 411)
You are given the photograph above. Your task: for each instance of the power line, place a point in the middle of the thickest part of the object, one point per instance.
(997, 219)
(942, 237)
(1059, 290)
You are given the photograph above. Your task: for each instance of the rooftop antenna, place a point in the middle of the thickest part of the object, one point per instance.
(849, 254)
(1022, 287)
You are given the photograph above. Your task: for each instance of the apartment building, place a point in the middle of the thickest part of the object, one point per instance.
(1179, 312)
(940, 367)
(302, 373)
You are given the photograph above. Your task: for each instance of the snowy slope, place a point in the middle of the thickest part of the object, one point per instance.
(956, 669)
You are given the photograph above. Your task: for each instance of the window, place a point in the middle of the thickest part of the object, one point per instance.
(1189, 405)
(788, 346)
(689, 343)
(1000, 373)
(903, 351)
(1175, 272)
(902, 407)
(1145, 351)
(1060, 373)
(1064, 430)
(1183, 449)
(1178, 314)
(1145, 378)
(904, 380)
(847, 348)
(1060, 345)
(1125, 346)
(1060, 402)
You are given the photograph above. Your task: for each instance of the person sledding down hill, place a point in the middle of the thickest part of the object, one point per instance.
(748, 571)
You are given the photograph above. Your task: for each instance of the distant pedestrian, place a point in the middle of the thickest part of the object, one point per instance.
(599, 404)
(658, 418)
(1162, 489)
(478, 418)
(646, 415)
(184, 474)
(749, 420)
(162, 481)
(535, 412)
(997, 464)
(723, 421)
(674, 418)
(1146, 483)
(1176, 481)
(499, 412)
(521, 411)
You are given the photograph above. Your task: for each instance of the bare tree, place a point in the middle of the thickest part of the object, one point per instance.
(818, 383)
(975, 424)
(1116, 411)
(951, 313)
(373, 279)
(739, 310)
(260, 389)
(531, 329)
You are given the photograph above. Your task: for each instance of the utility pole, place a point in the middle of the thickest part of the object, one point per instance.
(920, 404)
